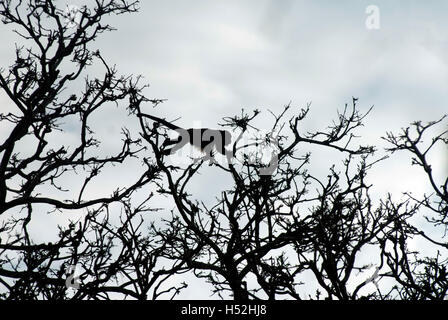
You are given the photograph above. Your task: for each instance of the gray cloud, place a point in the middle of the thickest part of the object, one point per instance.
(211, 58)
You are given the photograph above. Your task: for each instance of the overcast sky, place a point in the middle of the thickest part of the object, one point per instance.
(212, 58)
(216, 57)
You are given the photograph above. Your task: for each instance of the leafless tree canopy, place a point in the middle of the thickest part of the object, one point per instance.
(278, 230)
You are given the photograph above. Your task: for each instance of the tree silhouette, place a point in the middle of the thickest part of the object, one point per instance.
(422, 277)
(278, 223)
(271, 227)
(112, 258)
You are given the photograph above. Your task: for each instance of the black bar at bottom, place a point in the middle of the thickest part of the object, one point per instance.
(209, 309)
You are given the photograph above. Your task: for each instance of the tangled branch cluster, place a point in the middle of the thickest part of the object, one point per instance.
(263, 237)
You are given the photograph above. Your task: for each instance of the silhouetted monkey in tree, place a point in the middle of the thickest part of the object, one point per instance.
(203, 139)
